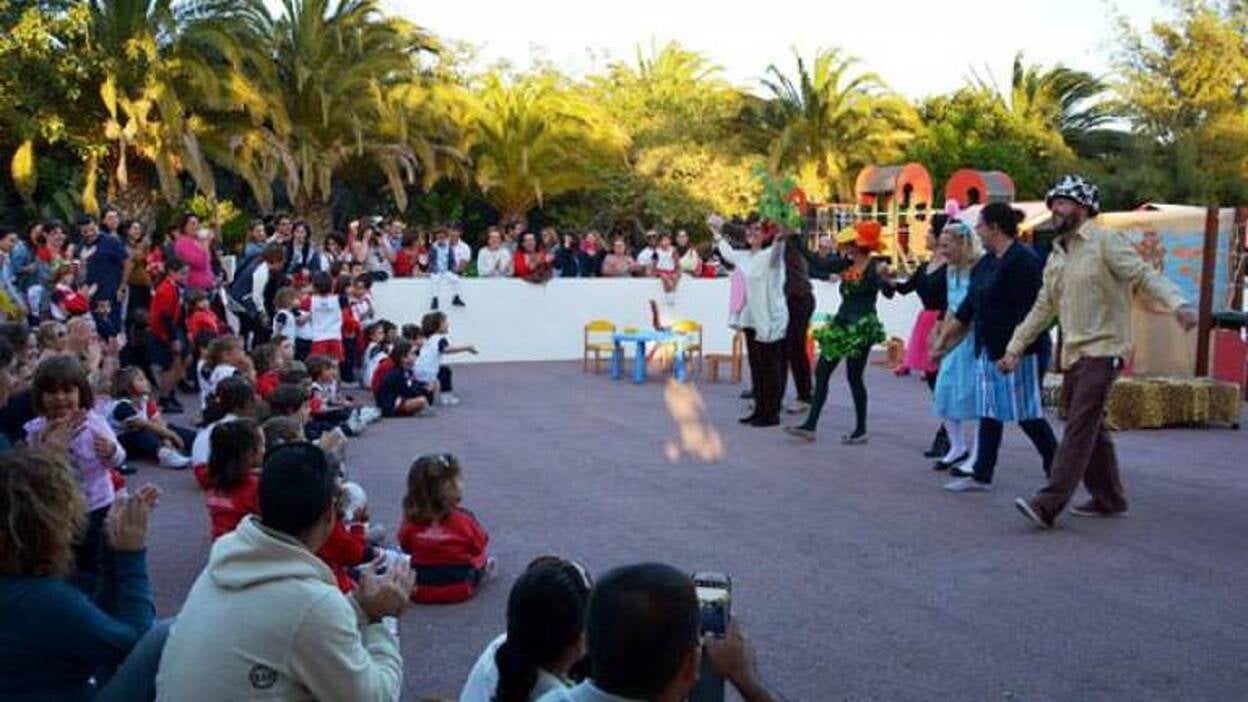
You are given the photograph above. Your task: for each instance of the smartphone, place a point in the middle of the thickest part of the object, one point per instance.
(714, 592)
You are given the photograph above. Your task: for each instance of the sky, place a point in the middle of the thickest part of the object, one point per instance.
(919, 47)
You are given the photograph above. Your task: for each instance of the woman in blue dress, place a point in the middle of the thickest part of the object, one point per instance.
(956, 384)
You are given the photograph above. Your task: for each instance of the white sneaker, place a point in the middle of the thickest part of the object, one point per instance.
(355, 424)
(967, 485)
(169, 457)
(369, 414)
(448, 400)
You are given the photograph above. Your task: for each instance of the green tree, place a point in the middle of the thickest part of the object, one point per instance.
(828, 121)
(533, 139)
(1185, 86)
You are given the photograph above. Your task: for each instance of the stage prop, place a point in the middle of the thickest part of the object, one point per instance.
(971, 187)
(900, 199)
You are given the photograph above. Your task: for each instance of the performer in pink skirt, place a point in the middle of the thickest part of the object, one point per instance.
(929, 281)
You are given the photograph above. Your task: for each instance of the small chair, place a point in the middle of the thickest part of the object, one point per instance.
(734, 360)
(594, 343)
(691, 347)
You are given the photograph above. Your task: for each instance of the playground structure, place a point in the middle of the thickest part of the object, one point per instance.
(900, 199)
(971, 187)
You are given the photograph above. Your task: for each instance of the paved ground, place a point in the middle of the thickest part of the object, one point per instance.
(857, 577)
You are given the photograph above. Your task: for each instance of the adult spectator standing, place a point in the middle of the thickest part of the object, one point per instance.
(105, 257)
(644, 643)
(55, 643)
(16, 306)
(570, 261)
(493, 260)
(302, 637)
(193, 251)
(530, 262)
(1003, 288)
(301, 253)
(799, 296)
(764, 316)
(618, 264)
(250, 286)
(1088, 284)
(138, 277)
(647, 256)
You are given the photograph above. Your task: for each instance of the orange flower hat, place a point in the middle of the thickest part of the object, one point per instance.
(869, 234)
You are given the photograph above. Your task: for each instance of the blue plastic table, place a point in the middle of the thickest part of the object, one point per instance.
(640, 339)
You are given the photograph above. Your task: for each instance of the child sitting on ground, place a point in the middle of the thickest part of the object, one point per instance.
(225, 357)
(67, 424)
(234, 399)
(397, 393)
(139, 425)
(373, 353)
(233, 490)
(447, 544)
(267, 360)
(328, 405)
(202, 320)
(429, 369)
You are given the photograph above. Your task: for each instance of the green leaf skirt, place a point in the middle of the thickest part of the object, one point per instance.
(837, 341)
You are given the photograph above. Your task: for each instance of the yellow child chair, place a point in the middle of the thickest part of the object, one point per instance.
(692, 331)
(599, 340)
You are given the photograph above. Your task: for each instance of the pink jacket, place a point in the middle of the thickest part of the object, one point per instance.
(198, 263)
(92, 470)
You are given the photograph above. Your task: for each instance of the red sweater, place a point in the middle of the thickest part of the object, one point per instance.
(345, 548)
(204, 321)
(166, 307)
(267, 382)
(449, 556)
(227, 509)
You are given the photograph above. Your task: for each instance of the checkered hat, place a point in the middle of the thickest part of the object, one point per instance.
(1074, 187)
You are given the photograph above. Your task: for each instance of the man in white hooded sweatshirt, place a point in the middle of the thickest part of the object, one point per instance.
(265, 618)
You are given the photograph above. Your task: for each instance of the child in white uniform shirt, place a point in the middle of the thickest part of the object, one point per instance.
(434, 326)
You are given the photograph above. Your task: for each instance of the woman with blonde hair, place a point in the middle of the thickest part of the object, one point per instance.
(56, 642)
(956, 383)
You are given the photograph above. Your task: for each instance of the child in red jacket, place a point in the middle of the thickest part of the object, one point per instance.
(446, 543)
(348, 547)
(233, 489)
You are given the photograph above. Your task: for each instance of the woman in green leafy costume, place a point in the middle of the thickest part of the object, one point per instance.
(850, 334)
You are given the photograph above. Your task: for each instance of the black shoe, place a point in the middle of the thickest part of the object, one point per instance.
(127, 469)
(170, 405)
(188, 387)
(748, 419)
(960, 472)
(458, 302)
(765, 422)
(940, 444)
(434, 305)
(946, 465)
(747, 394)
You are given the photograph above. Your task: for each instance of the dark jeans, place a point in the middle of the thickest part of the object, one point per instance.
(855, 368)
(766, 374)
(1087, 452)
(990, 431)
(88, 552)
(146, 444)
(444, 379)
(135, 679)
(801, 308)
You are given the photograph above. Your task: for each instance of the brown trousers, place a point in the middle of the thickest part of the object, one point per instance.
(1086, 452)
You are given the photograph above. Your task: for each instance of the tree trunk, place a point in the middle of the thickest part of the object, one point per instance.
(138, 199)
(318, 215)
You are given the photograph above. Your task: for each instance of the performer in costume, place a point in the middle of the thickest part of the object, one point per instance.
(956, 399)
(855, 328)
(929, 282)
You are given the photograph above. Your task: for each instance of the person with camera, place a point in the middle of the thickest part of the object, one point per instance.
(301, 637)
(645, 642)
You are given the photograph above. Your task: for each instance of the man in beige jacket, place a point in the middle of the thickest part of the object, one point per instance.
(266, 620)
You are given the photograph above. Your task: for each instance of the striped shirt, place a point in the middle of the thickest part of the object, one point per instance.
(1100, 269)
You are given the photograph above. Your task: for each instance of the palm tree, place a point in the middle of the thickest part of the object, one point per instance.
(532, 140)
(339, 86)
(1071, 103)
(171, 71)
(829, 122)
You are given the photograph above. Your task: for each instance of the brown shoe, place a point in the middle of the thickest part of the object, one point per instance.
(1092, 508)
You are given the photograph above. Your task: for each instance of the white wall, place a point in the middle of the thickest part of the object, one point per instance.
(511, 320)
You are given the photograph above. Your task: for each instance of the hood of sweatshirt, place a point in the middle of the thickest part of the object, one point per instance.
(254, 555)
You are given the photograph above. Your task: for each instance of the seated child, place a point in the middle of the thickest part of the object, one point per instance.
(140, 427)
(233, 490)
(446, 542)
(373, 353)
(397, 393)
(267, 360)
(234, 398)
(429, 369)
(202, 320)
(328, 405)
(224, 358)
